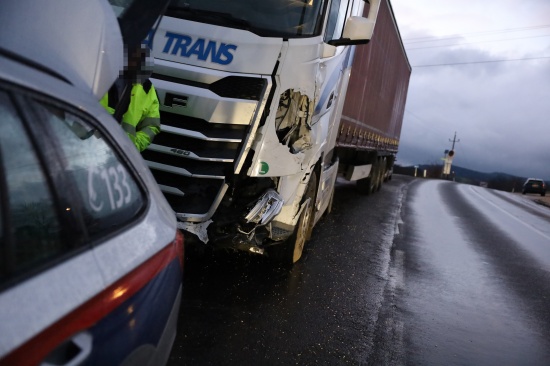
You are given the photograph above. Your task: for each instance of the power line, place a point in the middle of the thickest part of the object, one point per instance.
(475, 34)
(460, 44)
(431, 127)
(482, 62)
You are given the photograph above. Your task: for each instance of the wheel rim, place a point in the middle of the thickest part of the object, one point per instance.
(301, 235)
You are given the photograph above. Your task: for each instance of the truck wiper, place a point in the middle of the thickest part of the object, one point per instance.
(216, 17)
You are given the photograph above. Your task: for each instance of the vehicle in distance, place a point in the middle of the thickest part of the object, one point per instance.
(91, 258)
(534, 185)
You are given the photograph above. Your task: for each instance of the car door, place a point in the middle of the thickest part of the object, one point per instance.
(134, 318)
(47, 267)
(71, 206)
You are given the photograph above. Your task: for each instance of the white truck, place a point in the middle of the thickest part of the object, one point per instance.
(251, 97)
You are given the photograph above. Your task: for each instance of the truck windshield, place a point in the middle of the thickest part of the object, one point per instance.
(268, 18)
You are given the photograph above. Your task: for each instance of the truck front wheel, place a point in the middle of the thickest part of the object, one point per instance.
(303, 230)
(291, 251)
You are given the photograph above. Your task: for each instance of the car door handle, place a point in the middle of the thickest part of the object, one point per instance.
(72, 352)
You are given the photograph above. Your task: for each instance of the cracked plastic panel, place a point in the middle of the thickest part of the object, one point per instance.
(293, 121)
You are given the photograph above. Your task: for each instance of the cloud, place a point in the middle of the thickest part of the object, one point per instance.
(500, 110)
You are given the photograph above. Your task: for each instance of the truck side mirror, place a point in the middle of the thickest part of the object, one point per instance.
(358, 30)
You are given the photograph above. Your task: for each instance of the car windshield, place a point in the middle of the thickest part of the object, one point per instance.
(269, 18)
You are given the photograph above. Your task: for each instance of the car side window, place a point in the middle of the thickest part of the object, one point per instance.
(110, 195)
(32, 234)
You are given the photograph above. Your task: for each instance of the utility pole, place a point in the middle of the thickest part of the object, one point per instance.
(449, 158)
(453, 141)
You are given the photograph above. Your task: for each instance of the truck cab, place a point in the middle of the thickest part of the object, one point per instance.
(250, 95)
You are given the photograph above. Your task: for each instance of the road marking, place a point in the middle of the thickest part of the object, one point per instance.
(512, 216)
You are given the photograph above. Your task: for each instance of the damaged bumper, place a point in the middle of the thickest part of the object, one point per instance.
(256, 229)
(251, 232)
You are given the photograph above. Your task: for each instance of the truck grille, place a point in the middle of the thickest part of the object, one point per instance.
(239, 87)
(205, 129)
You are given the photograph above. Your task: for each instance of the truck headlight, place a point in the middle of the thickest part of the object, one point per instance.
(267, 207)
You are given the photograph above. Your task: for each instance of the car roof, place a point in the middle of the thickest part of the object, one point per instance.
(25, 73)
(54, 39)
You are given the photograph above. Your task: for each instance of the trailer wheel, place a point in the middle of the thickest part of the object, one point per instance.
(291, 251)
(381, 173)
(376, 177)
(367, 185)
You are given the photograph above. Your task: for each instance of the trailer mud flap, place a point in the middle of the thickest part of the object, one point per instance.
(356, 172)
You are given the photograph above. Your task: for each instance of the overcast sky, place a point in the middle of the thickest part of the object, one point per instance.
(500, 110)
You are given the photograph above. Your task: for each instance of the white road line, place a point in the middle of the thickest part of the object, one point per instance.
(510, 215)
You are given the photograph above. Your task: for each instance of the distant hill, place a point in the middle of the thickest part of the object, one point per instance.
(496, 180)
(480, 176)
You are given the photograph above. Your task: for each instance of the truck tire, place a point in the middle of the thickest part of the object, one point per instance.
(331, 200)
(291, 251)
(377, 176)
(381, 173)
(364, 186)
(368, 185)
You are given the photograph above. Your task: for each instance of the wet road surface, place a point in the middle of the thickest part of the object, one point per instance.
(477, 288)
(421, 273)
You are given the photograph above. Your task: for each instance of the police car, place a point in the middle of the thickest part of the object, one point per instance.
(91, 260)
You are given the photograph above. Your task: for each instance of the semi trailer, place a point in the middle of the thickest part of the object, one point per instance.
(263, 104)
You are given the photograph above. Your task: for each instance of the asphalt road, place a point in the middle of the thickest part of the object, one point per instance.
(477, 276)
(421, 273)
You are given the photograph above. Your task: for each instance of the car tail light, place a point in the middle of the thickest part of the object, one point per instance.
(179, 244)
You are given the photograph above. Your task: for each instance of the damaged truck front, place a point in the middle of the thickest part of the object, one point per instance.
(251, 96)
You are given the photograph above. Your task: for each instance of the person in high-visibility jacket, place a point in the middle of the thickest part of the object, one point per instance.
(133, 100)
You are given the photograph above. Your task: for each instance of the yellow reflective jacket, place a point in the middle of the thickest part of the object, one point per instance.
(142, 119)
